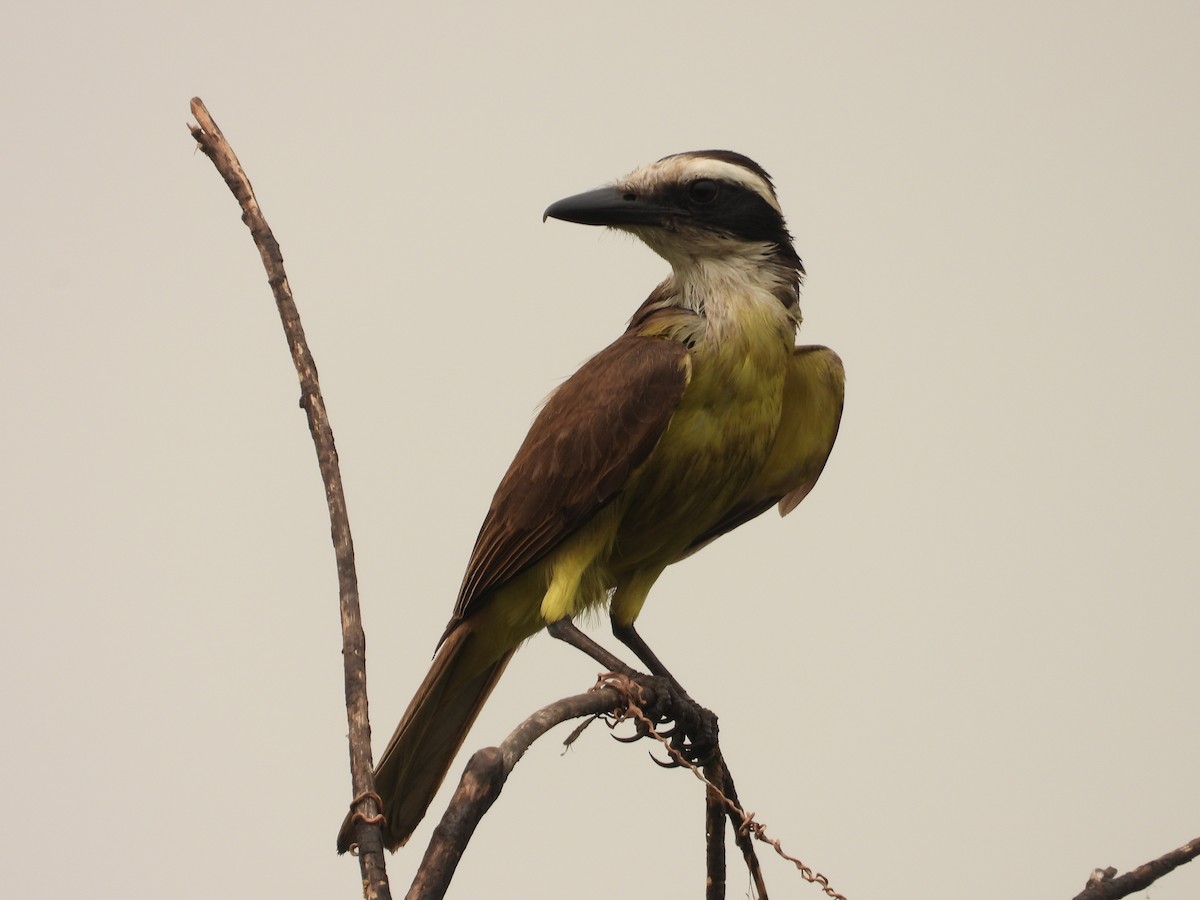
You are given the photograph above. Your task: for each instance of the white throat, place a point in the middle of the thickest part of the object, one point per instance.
(738, 294)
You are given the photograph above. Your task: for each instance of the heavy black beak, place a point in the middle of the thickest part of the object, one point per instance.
(609, 206)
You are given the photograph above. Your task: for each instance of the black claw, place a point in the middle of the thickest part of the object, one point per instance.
(669, 764)
(692, 735)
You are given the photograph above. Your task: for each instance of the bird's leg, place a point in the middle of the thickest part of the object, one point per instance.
(670, 703)
(566, 631)
(695, 734)
(628, 636)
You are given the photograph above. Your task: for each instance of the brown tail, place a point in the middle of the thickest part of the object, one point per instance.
(432, 729)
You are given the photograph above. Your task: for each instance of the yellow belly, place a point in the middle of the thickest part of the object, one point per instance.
(715, 444)
(713, 447)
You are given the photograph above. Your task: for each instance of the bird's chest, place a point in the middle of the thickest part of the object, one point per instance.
(716, 441)
(727, 418)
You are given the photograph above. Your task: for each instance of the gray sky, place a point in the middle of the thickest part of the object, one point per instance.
(965, 665)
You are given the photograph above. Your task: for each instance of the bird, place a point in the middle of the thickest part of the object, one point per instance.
(703, 414)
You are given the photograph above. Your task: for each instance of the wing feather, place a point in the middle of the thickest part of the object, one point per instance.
(593, 431)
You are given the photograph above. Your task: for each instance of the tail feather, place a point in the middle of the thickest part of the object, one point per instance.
(433, 728)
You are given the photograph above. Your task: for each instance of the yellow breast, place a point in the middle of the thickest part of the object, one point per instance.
(716, 442)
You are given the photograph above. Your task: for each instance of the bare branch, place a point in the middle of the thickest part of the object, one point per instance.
(727, 794)
(714, 834)
(482, 781)
(368, 838)
(614, 699)
(743, 822)
(1104, 886)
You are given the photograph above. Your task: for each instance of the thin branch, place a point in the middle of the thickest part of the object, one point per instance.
(482, 781)
(1104, 886)
(741, 836)
(369, 838)
(614, 699)
(714, 834)
(744, 824)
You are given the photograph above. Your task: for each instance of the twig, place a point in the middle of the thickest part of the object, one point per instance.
(481, 783)
(744, 822)
(733, 807)
(369, 838)
(1103, 886)
(714, 834)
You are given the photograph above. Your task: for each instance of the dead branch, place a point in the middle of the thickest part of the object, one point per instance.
(369, 838)
(743, 822)
(725, 793)
(617, 698)
(1104, 884)
(482, 781)
(714, 835)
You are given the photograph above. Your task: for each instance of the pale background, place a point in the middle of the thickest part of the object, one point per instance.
(965, 667)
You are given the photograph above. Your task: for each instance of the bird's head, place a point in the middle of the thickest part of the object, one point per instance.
(692, 206)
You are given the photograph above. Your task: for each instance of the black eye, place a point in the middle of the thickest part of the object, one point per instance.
(703, 191)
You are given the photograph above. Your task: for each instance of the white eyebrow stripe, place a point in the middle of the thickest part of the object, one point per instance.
(677, 168)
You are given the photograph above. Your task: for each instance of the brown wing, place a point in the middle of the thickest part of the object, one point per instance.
(808, 427)
(593, 431)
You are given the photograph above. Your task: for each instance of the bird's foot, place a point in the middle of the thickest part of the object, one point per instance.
(692, 735)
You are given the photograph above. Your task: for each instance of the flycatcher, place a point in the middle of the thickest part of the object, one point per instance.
(701, 416)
